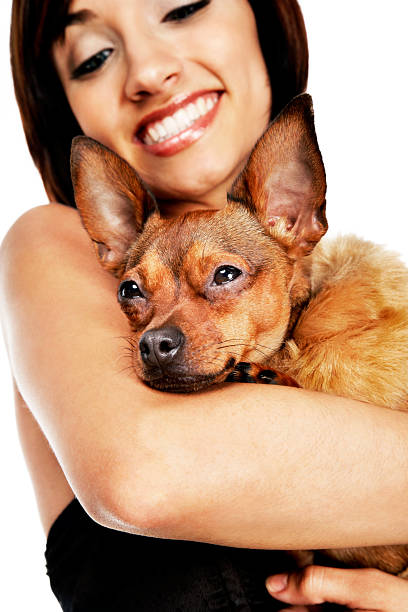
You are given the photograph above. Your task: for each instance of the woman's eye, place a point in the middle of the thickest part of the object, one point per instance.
(226, 274)
(91, 64)
(128, 290)
(183, 12)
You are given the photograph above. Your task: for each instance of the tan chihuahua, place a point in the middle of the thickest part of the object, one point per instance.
(210, 290)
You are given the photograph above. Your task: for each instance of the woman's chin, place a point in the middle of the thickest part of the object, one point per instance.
(207, 187)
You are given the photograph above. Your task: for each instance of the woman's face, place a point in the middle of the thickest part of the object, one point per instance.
(180, 90)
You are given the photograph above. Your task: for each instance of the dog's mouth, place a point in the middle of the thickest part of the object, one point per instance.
(184, 382)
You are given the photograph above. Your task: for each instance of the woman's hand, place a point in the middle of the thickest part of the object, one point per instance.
(367, 590)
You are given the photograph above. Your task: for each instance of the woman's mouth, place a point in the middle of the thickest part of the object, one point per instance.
(170, 130)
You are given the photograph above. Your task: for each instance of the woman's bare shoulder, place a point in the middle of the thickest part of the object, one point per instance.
(48, 240)
(49, 225)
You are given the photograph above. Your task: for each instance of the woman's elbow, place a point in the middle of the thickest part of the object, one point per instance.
(134, 503)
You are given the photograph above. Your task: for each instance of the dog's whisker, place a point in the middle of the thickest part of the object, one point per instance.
(238, 342)
(128, 368)
(202, 348)
(268, 348)
(128, 353)
(218, 359)
(251, 346)
(127, 349)
(254, 345)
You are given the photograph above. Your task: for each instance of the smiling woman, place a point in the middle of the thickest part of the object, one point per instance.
(197, 54)
(144, 66)
(221, 466)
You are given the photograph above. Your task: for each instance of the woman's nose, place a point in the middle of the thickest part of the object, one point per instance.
(152, 72)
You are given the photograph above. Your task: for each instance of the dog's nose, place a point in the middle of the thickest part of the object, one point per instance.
(159, 347)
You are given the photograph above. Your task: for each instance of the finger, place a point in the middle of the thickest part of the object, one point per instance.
(300, 587)
(361, 589)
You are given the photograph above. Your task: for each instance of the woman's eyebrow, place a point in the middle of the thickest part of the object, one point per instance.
(78, 18)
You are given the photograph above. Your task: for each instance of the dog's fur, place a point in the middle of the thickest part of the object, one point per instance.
(209, 289)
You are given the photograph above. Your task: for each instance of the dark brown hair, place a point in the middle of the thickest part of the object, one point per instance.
(48, 121)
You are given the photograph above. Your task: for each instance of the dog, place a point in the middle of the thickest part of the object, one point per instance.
(249, 292)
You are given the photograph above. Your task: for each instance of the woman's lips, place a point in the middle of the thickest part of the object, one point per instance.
(170, 130)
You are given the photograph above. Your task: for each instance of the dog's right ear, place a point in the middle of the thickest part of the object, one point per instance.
(111, 198)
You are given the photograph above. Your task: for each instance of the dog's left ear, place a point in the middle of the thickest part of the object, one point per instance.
(111, 198)
(284, 182)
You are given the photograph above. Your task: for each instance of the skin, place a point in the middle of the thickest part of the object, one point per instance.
(98, 439)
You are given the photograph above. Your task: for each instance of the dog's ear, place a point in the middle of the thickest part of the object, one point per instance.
(284, 182)
(111, 198)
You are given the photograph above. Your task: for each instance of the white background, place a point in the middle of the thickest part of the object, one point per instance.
(358, 73)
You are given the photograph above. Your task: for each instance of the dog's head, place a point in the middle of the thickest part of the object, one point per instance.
(210, 288)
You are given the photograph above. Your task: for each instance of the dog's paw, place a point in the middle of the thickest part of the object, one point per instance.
(254, 373)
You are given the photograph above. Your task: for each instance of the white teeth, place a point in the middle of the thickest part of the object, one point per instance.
(170, 125)
(180, 120)
(192, 112)
(201, 106)
(161, 129)
(209, 103)
(153, 132)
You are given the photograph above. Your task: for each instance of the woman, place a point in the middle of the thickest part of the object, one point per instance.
(103, 429)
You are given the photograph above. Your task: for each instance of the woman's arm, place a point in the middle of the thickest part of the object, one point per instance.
(245, 466)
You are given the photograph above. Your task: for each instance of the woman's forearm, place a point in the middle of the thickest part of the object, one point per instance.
(276, 468)
(244, 465)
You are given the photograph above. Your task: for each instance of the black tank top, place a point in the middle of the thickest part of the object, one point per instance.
(96, 569)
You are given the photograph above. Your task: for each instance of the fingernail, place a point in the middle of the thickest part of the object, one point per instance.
(277, 583)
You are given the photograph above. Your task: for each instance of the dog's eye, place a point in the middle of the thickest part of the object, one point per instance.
(129, 290)
(226, 274)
